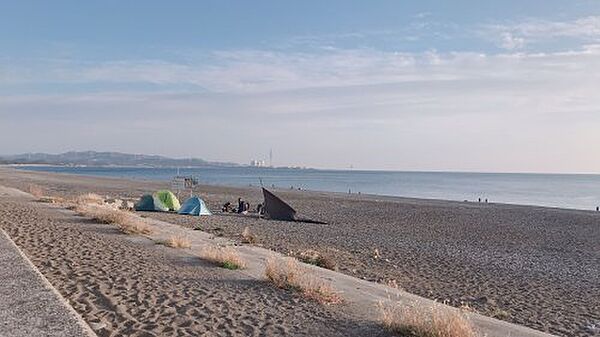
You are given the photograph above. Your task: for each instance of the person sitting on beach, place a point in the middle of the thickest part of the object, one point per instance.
(259, 208)
(226, 207)
(241, 205)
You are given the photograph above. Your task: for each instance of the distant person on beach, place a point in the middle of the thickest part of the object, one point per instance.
(226, 207)
(259, 208)
(486, 201)
(597, 208)
(241, 204)
(479, 200)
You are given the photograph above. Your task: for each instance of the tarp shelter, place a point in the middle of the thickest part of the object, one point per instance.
(194, 206)
(168, 199)
(150, 203)
(276, 208)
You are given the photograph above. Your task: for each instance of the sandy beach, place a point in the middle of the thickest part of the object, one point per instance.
(129, 286)
(534, 266)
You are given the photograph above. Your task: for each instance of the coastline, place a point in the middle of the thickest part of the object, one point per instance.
(525, 264)
(359, 196)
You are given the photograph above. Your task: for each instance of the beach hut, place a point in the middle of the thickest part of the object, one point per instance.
(194, 206)
(277, 209)
(168, 199)
(150, 203)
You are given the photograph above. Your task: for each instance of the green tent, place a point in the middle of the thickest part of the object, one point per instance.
(168, 199)
(150, 203)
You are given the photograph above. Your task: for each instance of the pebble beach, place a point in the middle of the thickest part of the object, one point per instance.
(534, 266)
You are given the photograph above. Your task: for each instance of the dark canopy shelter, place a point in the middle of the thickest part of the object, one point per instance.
(276, 208)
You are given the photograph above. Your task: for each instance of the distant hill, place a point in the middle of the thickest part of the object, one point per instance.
(93, 158)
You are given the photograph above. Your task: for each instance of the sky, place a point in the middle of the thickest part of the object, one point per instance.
(494, 86)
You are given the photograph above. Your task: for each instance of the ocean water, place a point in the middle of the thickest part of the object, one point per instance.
(578, 191)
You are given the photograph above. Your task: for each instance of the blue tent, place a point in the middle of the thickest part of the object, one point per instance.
(194, 206)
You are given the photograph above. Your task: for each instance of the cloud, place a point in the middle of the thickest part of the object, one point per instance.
(255, 71)
(518, 110)
(587, 27)
(518, 34)
(422, 15)
(510, 42)
(258, 72)
(461, 111)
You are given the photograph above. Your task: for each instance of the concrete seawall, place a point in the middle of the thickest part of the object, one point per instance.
(29, 305)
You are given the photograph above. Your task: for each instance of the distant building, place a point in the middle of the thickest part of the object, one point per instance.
(257, 163)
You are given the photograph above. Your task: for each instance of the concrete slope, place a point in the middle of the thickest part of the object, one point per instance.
(29, 305)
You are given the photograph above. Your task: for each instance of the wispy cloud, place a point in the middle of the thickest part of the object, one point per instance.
(511, 42)
(255, 71)
(462, 108)
(324, 64)
(519, 34)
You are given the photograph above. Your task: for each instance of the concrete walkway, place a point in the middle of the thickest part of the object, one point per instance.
(29, 305)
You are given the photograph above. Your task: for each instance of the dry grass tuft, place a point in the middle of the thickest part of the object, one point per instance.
(316, 258)
(37, 191)
(500, 314)
(40, 194)
(128, 223)
(178, 242)
(436, 321)
(225, 257)
(376, 255)
(287, 273)
(102, 214)
(135, 226)
(51, 200)
(89, 199)
(392, 283)
(248, 236)
(465, 307)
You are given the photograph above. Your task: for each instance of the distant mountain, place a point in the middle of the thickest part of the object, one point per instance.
(93, 158)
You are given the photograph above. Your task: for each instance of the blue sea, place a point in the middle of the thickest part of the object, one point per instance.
(578, 191)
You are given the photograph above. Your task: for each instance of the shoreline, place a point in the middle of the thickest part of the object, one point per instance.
(360, 196)
(323, 169)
